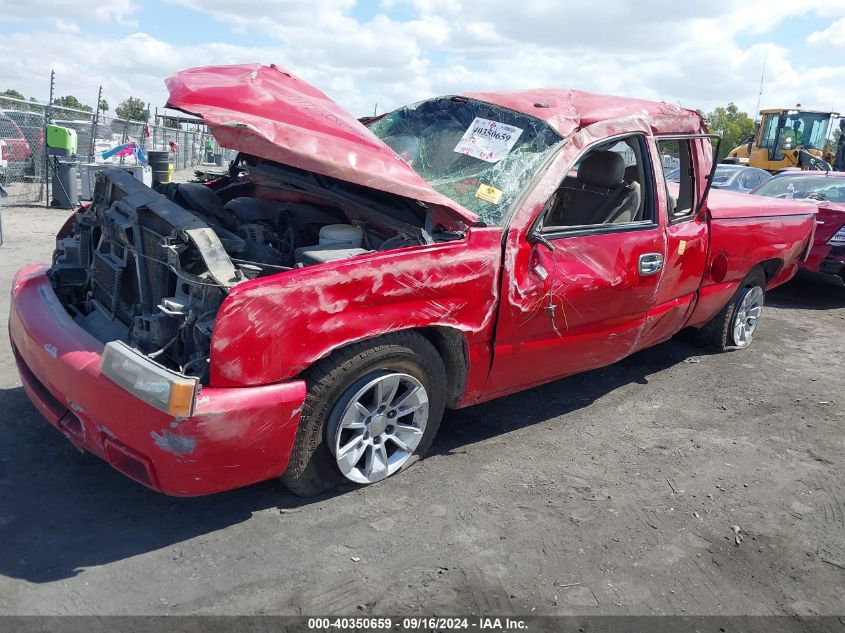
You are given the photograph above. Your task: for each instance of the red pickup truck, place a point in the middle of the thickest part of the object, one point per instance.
(311, 314)
(16, 153)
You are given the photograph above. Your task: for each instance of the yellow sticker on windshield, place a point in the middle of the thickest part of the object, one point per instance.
(488, 193)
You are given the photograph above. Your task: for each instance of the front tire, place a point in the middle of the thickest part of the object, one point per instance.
(735, 324)
(372, 410)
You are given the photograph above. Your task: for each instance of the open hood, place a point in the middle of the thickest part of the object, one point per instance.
(267, 112)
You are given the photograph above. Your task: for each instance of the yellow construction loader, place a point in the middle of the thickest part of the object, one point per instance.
(787, 138)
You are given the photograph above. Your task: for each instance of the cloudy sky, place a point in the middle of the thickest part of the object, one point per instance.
(391, 52)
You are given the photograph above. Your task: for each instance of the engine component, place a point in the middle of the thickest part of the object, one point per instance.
(257, 232)
(199, 199)
(152, 268)
(342, 235)
(309, 255)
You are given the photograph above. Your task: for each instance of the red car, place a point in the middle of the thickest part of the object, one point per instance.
(827, 190)
(18, 153)
(311, 314)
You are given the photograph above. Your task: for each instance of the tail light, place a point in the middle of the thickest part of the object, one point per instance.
(3, 151)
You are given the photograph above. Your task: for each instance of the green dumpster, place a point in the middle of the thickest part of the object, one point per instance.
(61, 141)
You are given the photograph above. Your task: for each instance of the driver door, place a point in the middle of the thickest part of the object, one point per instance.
(577, 297)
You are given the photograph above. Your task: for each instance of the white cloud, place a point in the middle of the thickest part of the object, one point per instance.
(831, 39)
(681, 52)
(66, 26)
(100, 10)
(133, 65)
(690, 53)
(685, 52)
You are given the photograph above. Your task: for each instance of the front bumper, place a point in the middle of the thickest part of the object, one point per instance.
(237, 436)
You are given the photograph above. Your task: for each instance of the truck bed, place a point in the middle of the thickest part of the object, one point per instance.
(725, 205)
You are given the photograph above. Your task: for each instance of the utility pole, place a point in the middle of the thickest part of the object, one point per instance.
(94, 123)
(142, 142)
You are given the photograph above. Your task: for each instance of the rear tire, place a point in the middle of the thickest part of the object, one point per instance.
(735, 324)
(361, 378)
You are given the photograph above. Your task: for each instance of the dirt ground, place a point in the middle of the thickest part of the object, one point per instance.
(612, 492)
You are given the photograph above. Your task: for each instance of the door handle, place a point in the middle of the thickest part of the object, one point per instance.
(650, 263)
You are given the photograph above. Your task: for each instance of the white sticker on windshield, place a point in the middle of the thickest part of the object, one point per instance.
(488, 140)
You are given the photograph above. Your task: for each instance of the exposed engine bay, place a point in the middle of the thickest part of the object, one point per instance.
(152, 267)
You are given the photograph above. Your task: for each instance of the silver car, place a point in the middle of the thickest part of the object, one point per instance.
(733, 177)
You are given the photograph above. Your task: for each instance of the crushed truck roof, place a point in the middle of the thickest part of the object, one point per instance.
(268, 112)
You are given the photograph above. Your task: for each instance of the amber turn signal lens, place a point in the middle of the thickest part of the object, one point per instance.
(181, 403)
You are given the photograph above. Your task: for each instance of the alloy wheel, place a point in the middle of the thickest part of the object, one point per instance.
(747, 316)
(380, 427)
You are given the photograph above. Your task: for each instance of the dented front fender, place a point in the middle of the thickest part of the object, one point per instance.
(271, 329)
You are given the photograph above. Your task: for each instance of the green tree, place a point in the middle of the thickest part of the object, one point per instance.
(70, 101)
(8, 103)
(133, 109)
(832, 143)
(104, 105)
(11, 92)
(76, 109)
(732, 124)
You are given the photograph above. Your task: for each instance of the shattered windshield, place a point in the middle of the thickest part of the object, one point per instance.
(478, 154)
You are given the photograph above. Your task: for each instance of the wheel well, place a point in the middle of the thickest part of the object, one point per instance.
(451, 345)
(770, 268)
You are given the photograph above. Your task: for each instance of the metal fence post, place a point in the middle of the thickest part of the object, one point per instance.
(46, 123)
(96, 119)
(2, 195)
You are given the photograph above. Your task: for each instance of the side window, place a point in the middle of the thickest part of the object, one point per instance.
(679, 173)
(609, 185)
(755, 178)
(770, 131)
(752, 179)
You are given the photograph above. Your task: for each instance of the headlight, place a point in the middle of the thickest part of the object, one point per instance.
(156, 385)
(839, 238)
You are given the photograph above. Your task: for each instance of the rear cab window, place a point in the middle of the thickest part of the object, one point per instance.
(676, 157)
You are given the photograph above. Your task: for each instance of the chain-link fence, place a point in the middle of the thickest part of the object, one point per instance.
(22, 150)
(27, 169)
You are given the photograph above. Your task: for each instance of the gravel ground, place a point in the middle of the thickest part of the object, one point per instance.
(612, 492)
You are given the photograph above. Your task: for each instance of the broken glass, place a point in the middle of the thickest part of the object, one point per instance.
(478, 154)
